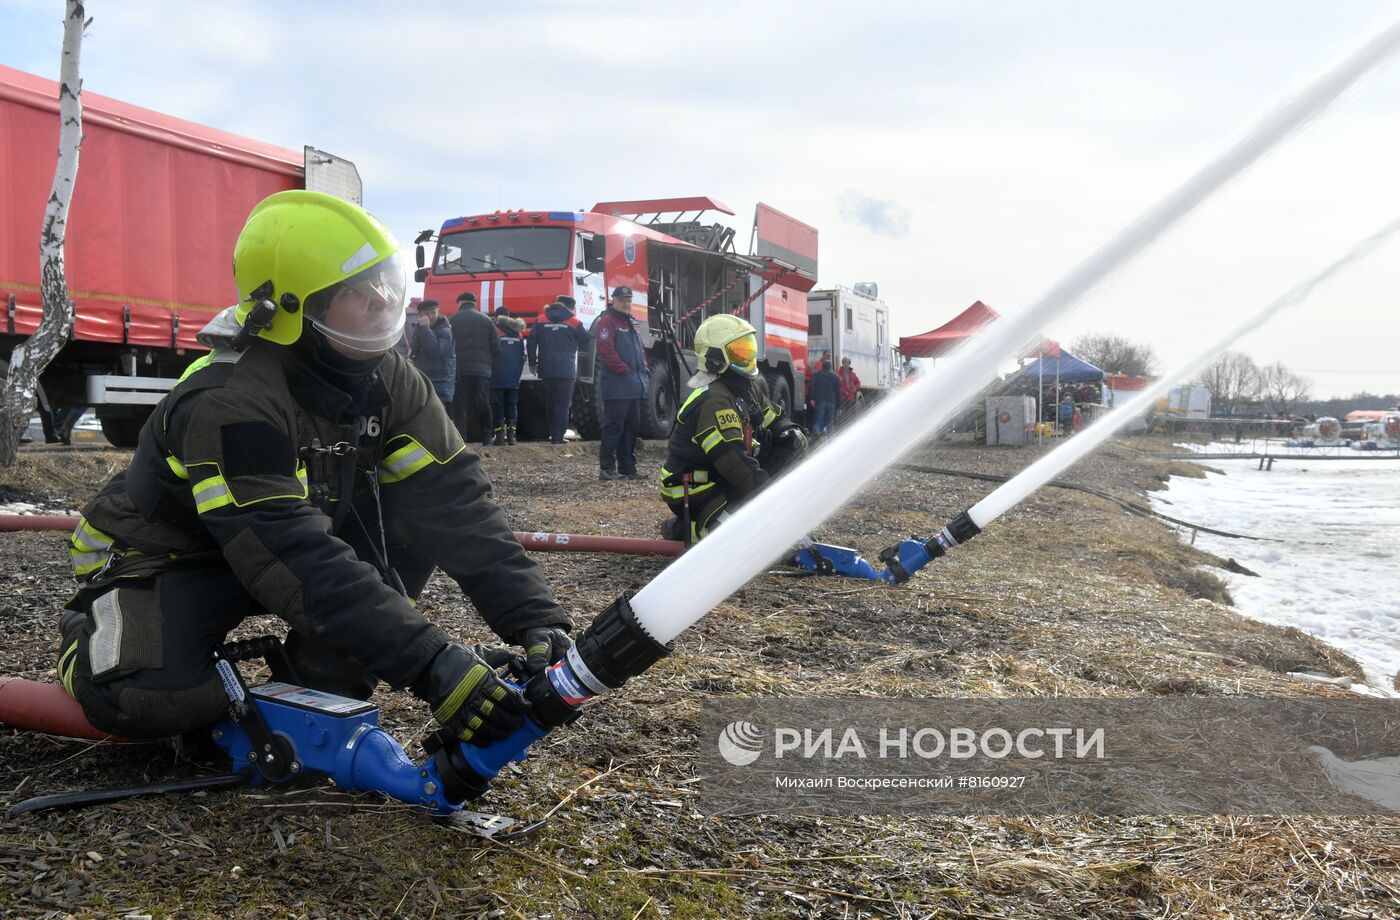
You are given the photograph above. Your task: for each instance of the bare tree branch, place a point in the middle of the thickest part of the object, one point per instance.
(1233, 381)
(1282, 389)
(1115, 354)
(28, 360)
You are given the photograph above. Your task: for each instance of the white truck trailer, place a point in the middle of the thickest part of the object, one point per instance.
(1187, 403)
(855, 324)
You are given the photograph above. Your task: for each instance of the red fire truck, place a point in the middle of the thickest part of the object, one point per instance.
(680, 265)
(156, 208)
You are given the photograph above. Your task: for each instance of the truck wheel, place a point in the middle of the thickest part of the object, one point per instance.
(659, 408)
(587, 412)
(124, 430)
(779, 391)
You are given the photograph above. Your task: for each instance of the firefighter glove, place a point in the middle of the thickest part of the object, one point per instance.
(468, 698)
(543, 646)
(794, 439)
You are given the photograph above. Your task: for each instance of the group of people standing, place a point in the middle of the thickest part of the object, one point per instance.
(475, 363)
(710, 464)
(1067, 401)
(831, 395)
(1062, 405)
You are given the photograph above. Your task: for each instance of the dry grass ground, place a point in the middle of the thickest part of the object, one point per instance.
(1066, 596)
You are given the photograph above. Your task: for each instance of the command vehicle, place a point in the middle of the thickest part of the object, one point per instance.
(855, 324)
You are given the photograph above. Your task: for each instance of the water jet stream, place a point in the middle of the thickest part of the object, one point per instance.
(1060, 459)
(766, 527)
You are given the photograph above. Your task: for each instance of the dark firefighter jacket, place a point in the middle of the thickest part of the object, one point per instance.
(257, 459)
(511, 333)
(434, 356)
(623, 365)
(713, 439)
(475, 340)
(826, 387)
(555, 341)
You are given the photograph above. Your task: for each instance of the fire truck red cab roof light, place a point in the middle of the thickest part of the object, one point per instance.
(458, 222)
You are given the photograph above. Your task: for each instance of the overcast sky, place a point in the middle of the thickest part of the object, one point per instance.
(950, 151)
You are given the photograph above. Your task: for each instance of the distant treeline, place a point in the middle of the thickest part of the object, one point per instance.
(1339, 407)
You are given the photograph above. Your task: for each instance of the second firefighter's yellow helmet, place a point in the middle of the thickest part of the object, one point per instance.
(297, 245)
(724, 341)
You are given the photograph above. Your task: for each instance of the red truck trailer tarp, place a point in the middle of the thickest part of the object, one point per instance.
(158, 204)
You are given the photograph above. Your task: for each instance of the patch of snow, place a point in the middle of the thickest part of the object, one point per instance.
(1336, 573)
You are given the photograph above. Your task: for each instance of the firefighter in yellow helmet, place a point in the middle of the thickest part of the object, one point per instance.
(302, 469)
(727, 418)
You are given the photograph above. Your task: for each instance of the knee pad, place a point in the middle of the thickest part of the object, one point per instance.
(113, 664)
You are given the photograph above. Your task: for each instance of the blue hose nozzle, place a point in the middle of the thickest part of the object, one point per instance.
(825, 559)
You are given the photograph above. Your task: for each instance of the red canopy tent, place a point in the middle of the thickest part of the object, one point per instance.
(938, 342)
(1045, 348)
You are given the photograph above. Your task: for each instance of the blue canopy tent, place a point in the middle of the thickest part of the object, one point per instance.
(1058, 365)
(1065, 366)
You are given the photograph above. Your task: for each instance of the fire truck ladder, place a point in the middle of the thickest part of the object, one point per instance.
(717, 295)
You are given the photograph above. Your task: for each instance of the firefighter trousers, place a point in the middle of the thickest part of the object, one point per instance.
(138, 655)
(505, 409)
(622, 420)
(707, 511)
(559, 396)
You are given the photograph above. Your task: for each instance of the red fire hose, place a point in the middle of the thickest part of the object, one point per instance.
(537, 542)
(14, 522)
(587, 543)
(45, 708)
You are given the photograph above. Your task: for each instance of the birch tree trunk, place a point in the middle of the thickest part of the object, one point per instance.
(29, 359)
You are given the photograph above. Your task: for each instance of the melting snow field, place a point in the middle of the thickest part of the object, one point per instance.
(1336, 573)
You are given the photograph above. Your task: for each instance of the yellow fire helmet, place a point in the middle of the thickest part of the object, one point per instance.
(307, 251)
(724, 341)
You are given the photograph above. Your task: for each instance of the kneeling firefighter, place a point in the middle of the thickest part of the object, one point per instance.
(303, 469)
(710, 463)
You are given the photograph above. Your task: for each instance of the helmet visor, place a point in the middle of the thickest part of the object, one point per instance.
(743, 354)
(366, 313)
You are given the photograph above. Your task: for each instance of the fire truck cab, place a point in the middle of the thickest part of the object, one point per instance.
(680, 266)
